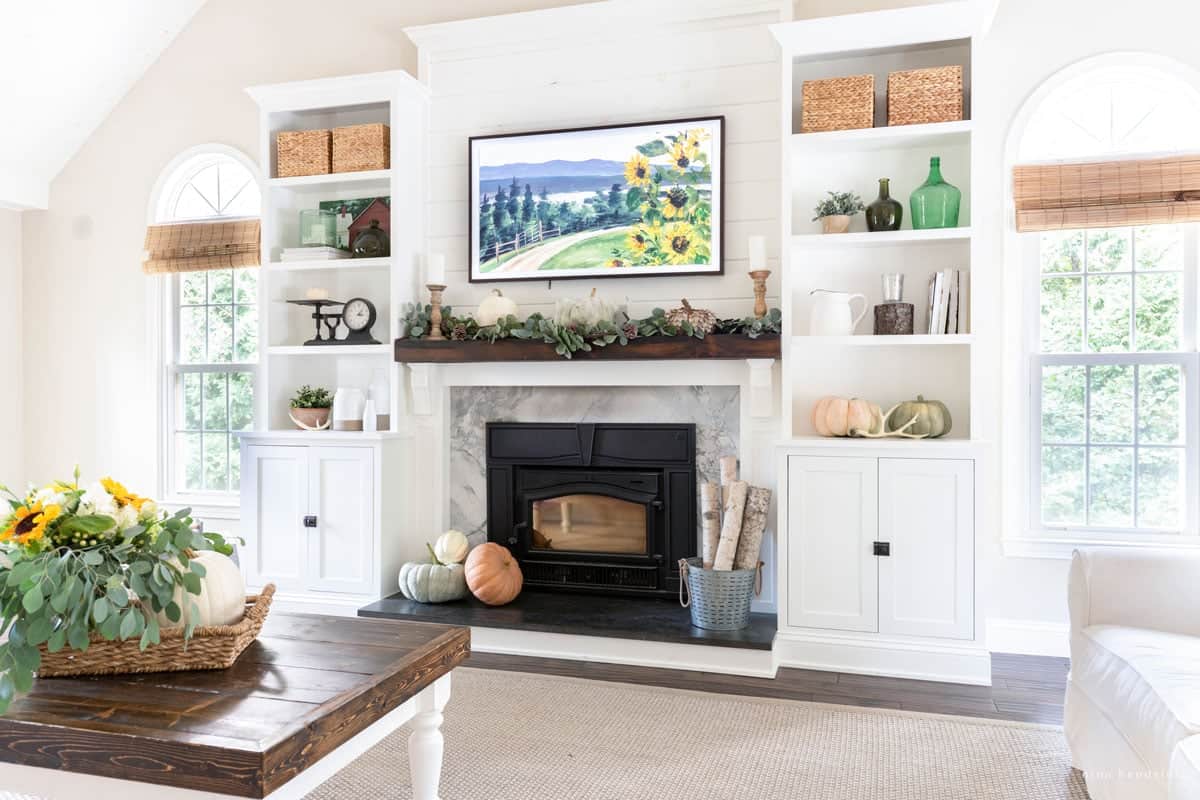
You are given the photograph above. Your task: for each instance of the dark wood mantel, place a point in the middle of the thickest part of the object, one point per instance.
(718, 346)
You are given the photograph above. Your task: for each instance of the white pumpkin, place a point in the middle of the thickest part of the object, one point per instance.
(222, 598)
(494, 308)
(451, 547)
(585, 313)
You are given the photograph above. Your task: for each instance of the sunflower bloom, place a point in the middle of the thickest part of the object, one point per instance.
(682, 154)
(694, 137)
(681, 241)
(28, 523)
(637, 170)
(121, 495)
(674, 202)
(638, 240)
(616, 262)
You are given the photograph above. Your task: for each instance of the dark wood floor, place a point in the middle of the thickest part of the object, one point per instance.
(1024, 688)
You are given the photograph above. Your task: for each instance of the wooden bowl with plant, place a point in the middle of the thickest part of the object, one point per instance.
(311, 407)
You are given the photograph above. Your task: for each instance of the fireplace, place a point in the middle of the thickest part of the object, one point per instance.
(600, 508)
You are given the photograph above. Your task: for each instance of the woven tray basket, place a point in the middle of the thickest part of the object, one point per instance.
(212, 647)
(837, 104)
(919, 96)
(362, 147)
(300, 153)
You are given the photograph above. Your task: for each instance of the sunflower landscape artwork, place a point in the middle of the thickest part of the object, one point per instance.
(598, 202)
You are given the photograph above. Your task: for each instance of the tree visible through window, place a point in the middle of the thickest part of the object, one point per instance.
(1112, 378)
(214, 355)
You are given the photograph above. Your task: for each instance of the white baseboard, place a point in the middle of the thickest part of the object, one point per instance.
(1029, 637)
(664, 655)
(928, 661)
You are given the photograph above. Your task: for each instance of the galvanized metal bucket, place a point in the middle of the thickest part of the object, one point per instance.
(719, 599)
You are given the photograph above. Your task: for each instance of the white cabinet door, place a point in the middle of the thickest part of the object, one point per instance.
(341, 483)
(926, 514)
(832, 515)
(274, 502)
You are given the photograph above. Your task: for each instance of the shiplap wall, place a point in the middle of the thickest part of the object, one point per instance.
(554, 69)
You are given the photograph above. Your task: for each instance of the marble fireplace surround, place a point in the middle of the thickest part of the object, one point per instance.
(714, 410)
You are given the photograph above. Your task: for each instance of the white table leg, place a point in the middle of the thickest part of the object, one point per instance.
(425, 744)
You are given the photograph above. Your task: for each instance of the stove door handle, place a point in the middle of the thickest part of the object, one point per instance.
(657, 505)
(514, 539)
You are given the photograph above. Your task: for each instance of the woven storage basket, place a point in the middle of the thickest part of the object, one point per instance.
(837, 104)
(300, 153)
(918, 96)
(719, 599)
(212, 647)
(362, 147)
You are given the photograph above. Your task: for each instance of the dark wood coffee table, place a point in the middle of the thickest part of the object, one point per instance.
(306, 699)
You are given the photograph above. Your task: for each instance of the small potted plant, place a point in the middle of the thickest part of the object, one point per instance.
(835, 211)
(310, 408)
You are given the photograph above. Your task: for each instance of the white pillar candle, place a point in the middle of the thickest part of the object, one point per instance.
(317, 294)
(435, 274)
(758, 252)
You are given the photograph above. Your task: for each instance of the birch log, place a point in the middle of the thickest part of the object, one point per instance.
(754, 523)
(710, 521)
(731, 525)
(729, 474)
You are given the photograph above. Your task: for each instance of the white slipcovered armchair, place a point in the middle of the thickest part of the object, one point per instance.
(1133, 698)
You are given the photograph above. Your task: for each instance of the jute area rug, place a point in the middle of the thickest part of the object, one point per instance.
(516, 736)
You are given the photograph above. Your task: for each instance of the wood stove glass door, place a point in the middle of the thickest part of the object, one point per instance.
(590, 523)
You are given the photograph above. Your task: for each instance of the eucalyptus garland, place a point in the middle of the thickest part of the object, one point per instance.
(572, 338)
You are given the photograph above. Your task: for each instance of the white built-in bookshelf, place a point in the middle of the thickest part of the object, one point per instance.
(884, 369)
(398, 100)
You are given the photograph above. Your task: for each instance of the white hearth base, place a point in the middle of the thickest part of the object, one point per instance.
(665, 655)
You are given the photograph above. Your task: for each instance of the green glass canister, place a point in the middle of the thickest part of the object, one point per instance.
(885, 214)
(935, 203)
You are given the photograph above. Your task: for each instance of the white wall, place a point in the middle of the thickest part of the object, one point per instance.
(1031, 40)
(12, 466)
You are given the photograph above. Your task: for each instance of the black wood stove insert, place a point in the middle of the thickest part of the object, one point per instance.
(599, 508)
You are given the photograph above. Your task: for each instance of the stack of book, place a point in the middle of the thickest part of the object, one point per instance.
(948, 302)
(312, 254)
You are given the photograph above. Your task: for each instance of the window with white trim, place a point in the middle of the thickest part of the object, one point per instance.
(1112, 348)
(212, 350)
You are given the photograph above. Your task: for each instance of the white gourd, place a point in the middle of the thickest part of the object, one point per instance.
(222, 598)
(451, 547)
(494, 308)
(433, 583)
(585, 313)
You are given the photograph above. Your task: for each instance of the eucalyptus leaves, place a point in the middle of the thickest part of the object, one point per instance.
(79, 561)
(570, 335)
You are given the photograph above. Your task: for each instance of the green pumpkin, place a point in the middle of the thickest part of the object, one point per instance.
(932, 418)
(428, 582)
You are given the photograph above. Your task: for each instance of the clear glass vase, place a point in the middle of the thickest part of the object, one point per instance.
(935, 203)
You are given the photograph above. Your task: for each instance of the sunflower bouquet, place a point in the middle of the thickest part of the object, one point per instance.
(77, 561)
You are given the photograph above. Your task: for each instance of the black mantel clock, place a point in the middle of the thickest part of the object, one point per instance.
(358, 315)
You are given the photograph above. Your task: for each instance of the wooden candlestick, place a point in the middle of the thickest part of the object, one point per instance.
(435, 312)
(759, 276)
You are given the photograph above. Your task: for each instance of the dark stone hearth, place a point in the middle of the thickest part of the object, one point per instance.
(641, 618)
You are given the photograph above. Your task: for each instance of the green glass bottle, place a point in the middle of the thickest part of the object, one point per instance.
(935, 203)
(885, 214)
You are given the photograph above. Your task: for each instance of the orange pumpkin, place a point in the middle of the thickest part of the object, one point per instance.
(840, 416)
(493, 574)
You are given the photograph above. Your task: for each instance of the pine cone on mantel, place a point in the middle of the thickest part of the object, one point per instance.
(701, 319)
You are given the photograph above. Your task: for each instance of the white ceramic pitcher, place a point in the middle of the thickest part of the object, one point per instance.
(832, 313)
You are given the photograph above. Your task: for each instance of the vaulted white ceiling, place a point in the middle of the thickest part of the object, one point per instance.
(63, 67)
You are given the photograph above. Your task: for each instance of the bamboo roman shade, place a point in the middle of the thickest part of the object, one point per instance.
(1107, 194)
(197, 246)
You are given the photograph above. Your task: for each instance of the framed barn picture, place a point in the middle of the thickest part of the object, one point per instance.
(615, 201)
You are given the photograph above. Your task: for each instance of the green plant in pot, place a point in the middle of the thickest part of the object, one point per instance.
(835, 211)
(310, 408)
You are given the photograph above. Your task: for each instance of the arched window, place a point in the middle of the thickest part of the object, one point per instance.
(1111, 334)
(211, 330)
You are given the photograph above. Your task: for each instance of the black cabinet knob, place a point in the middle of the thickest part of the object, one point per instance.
(883, 548)
(310, 521)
